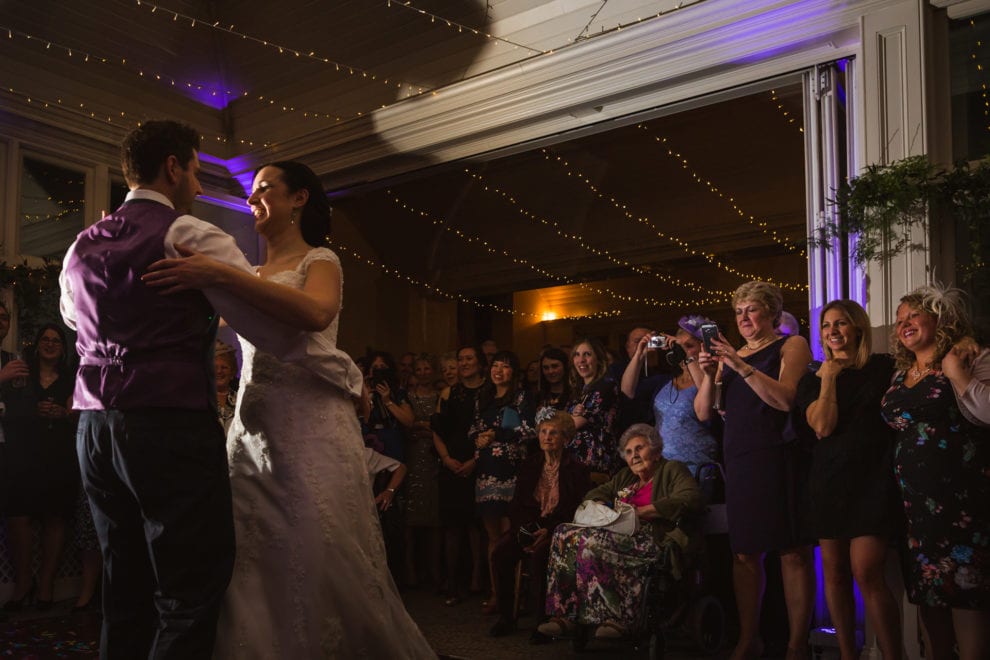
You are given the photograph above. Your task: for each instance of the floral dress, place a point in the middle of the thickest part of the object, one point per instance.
(596, 575)
(594, 443)
(498, 462)
(942, 465)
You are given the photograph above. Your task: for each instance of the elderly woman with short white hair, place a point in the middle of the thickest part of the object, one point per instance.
(596, 575)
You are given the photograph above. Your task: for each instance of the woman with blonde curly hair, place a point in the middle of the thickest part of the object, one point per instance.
(939, 404)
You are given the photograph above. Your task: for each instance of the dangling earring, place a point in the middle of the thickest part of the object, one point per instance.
(292, 216)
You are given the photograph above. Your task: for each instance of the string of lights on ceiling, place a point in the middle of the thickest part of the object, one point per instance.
(130, 121)
(603, 291)
(580, 240)
(228, 28)
(395, 273)
(712, 259)
(460, 27)
(762, 225)
(779, 104)
(169, 81)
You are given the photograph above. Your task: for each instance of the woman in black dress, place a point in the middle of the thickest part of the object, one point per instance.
(455, 414)
(939, 404)
(41, 473)
(555, 380)
(853, 508)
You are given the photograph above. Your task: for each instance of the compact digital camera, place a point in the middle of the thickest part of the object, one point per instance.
(657, 342)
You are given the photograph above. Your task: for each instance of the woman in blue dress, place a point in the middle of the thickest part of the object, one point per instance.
(685, 437)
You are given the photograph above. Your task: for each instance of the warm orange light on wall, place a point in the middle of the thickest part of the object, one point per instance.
(548, 315)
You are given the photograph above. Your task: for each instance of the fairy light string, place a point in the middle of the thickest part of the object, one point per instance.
(395, 273)
(169, 81)
(580, 240)
(602, 291)
(113, 119)
(779, 105)
(762, 225)
(460, 27)
(228, 28)
(712, 259)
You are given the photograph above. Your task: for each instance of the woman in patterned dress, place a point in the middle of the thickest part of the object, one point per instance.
(595, 575)
(593, 407)
(503, 424)
(422, 494)
(939, 404)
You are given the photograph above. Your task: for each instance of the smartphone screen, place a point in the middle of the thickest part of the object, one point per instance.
(709, 331)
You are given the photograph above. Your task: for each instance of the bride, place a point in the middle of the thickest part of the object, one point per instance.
(310, 577)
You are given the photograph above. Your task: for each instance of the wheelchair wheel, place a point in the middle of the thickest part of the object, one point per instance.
(708, 624)
(657, 647)
(580, 639)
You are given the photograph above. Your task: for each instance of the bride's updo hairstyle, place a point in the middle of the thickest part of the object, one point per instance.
(315, 219)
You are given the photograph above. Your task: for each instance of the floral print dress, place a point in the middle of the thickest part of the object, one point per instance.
(594, 443)
(596, 575)
(942, 465)
(498, 462)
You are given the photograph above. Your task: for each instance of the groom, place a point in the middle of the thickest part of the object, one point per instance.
(151, 452)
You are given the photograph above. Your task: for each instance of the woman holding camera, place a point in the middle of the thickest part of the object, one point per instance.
(390, 411)
(687, 439)
(549, 488)
(759, 382)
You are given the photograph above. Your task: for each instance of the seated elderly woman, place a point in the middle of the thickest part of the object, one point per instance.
(549, 487)
(596, 575)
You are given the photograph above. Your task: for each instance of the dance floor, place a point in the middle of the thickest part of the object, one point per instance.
(458, 632)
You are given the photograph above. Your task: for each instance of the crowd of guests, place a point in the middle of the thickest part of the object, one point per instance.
(483, 463)
(861, 454)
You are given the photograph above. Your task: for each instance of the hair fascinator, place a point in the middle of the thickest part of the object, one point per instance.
(692, 324)
(545, 414)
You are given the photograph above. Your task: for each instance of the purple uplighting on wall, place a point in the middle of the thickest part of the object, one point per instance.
(239, 167)
(213, 95)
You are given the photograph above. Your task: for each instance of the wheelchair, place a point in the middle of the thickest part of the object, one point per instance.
(685, 607)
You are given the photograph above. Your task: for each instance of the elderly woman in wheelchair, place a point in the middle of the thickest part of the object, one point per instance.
(599, 565)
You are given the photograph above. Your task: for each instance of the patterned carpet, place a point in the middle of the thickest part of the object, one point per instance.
(41, 638)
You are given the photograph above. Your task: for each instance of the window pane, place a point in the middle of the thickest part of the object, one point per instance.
(52, 208)
(118, 191)
(969, 64)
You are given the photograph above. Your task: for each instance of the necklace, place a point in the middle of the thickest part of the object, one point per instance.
(918, 372)
(760, 344)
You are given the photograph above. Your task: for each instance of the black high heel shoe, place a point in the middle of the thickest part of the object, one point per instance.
(18, 604)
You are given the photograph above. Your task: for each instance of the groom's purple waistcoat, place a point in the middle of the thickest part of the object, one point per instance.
(138, 348)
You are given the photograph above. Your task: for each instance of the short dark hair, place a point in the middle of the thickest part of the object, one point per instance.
(147, 147)
(315, 220)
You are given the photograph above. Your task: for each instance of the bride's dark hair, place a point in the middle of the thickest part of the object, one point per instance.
(315, 219)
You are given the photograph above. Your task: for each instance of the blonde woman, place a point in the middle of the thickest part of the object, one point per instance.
(759, 380)
(853, 505)
(939, 404)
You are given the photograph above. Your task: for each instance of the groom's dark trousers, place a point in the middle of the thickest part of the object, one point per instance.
(157, 484)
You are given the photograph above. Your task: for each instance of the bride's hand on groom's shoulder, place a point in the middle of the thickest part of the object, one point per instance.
(190, 270)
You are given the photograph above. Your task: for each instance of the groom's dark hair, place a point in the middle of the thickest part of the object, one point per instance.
(148, 146)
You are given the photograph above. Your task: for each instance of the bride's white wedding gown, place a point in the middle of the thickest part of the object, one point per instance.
(310, 578)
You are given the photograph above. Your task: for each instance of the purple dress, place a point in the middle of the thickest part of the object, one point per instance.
(759, 464)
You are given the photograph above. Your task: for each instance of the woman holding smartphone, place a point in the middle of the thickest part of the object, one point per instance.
(759, 383)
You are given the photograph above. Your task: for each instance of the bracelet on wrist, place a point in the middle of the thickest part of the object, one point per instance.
(751, 372)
